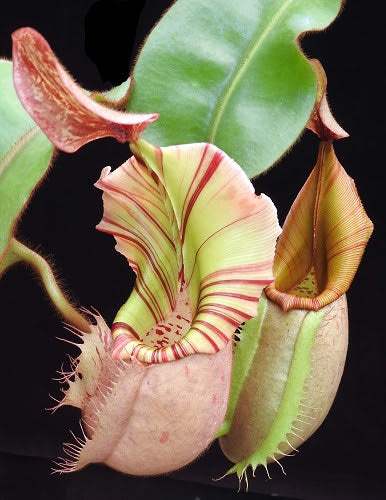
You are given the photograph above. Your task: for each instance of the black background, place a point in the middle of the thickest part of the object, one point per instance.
(344, 458)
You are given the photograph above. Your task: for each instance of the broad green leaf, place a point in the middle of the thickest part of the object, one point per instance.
(230, 73)
(25, 154)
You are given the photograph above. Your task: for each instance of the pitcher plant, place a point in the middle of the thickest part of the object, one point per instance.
(234, 329)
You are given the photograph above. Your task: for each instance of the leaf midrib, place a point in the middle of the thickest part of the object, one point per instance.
(241, 69)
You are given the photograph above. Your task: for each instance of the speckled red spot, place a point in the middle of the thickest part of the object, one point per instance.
(164, 437)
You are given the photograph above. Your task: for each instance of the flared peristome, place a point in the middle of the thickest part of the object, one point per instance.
(323, 239)
(200, 241)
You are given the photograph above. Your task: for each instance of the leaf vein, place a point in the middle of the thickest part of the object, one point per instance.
(241, 69)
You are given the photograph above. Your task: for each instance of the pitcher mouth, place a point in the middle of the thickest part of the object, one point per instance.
(160, 338)
(323, 238)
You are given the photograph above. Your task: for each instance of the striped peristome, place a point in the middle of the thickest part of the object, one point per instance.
(200, 241)
(323, 240)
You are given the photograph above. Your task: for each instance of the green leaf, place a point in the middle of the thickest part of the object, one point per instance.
(116, 97)
(25, 154)
(232, 75)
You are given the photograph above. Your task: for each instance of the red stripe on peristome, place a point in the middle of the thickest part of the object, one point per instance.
(110, 189)
(349, 248)
(118, 325)
(211, 169)
(214, 329)
(237, 312)
(184, 352)
(137, 349)
(159, 160)
(248, 298)
(235, 323)
(140, 179)
(175, 352)
(193, 180)
(145, 301)
(160, 355)
(193, 349)
(343, 220)
(333, 174)
(207, 337)
(235, 282)
(164, 356)
(357, 231)
(120, 343)
(140, 284)
(249, 269)
(145, 251)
